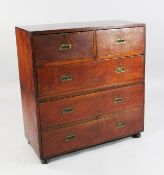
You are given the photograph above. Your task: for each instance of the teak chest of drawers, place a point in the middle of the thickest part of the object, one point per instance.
(82, 84)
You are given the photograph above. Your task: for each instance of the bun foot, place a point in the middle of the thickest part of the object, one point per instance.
(138, 135)
(44, 161)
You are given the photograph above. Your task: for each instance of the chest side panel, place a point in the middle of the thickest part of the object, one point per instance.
(27, 85)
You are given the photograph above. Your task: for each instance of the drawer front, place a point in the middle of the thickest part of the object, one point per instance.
(121, 42)
(64, 46)
(80, 76)
(67, 139)
(90, 106)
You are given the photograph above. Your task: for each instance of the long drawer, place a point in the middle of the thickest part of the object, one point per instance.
(93, 74)
(85, 107)
(58, 141)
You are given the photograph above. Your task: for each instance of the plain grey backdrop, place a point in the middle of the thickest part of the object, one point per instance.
(127, 156)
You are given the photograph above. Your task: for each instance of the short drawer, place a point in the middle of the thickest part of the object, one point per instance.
(63, 140)
(90, 106)
(93, 74)
(121, 42)
(64, 46)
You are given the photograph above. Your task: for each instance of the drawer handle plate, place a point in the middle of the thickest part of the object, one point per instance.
(118, 100)
(120, 41)
(67, 110)
(65, 47)
(120, 124)
(120, 69)
(70, 137)
(66, 77)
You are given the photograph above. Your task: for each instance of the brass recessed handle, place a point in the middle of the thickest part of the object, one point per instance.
(118, 100)
(70, 137)
(120, 124)
(120, 69)
(66, 77)
(120, 41)
(65, 47)
(67, 110)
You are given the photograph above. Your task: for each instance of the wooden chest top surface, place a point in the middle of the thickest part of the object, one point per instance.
(79, 26)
